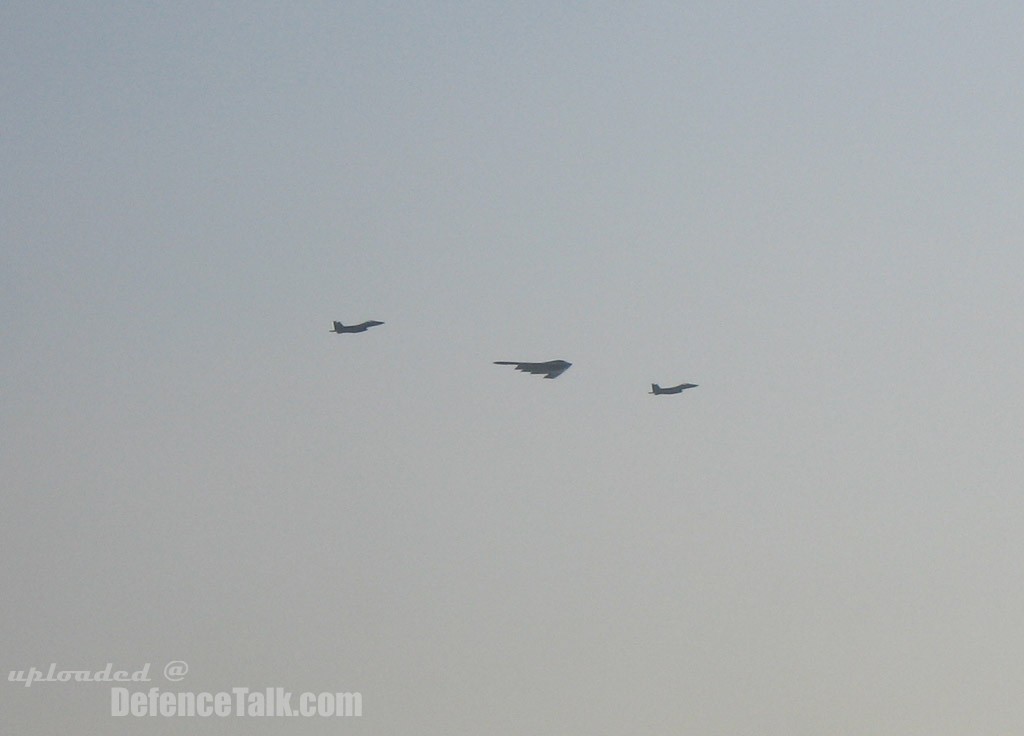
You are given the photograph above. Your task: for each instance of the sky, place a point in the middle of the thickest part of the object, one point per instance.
(810, 210)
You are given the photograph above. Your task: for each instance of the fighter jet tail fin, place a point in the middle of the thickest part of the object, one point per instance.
(655, 389)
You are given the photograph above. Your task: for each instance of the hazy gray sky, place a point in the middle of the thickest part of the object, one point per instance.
(811, 210)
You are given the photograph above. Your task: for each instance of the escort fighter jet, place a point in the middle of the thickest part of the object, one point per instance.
(658, 390)
(361, 327)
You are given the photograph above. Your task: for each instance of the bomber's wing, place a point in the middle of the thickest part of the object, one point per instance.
(557, 370)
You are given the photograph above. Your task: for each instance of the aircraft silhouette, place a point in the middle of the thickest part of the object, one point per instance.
(361, 327)
(658, 390)
(550, 369)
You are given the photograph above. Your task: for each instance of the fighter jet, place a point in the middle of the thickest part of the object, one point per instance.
(361, 327)
(550, 369)
(658, 390)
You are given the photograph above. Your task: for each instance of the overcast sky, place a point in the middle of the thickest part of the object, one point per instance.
(813, 210)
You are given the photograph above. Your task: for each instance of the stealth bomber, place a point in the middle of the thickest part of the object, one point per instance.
(550, 369)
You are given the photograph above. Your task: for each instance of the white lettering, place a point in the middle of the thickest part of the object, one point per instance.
(118, 701)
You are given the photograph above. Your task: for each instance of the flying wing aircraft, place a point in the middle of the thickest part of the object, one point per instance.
(550, 369)
(657, 390)
(361, 327)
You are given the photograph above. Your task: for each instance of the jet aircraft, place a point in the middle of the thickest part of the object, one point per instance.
(657, 390)
(361, 327)
(550, 369)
